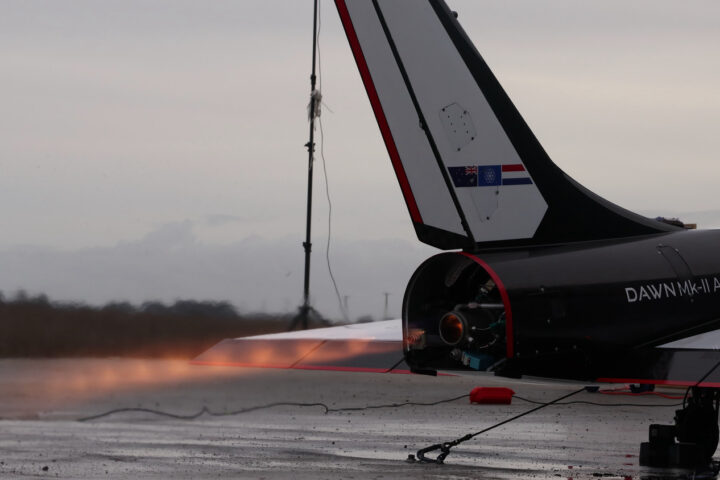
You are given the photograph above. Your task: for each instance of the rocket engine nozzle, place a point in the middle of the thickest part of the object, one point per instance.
(470, 326)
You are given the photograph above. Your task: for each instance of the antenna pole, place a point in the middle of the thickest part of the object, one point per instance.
(305, 309)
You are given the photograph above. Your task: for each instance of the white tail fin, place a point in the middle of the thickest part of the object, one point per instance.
(472, 173)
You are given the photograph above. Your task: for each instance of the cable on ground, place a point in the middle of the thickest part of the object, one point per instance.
(206, 411)
(598, 404)
(446, 446)
(637, 394)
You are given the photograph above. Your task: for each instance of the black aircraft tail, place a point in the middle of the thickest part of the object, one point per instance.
(472, 173)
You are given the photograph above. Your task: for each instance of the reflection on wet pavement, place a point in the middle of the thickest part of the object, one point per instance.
(574, 441)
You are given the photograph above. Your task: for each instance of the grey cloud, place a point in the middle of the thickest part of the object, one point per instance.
(222, 219)
(254, 273)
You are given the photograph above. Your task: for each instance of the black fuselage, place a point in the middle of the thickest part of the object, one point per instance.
(586, 310)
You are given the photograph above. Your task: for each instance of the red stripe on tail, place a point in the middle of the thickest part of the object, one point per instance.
(379, 113)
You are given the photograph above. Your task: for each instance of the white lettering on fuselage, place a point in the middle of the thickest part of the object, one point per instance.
(679, 288)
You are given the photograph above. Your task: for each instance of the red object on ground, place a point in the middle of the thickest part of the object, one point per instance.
(491, 395)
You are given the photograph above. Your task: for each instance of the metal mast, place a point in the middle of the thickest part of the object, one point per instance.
(302, 316)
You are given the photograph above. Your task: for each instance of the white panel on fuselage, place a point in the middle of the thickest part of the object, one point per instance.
(703, 341)
(440, 77)
(422, 170)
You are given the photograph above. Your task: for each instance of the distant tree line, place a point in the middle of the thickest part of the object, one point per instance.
(35, 326)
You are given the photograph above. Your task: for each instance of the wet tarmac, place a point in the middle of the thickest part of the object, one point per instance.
(41, 401)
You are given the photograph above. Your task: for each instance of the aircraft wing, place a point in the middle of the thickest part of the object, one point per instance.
(367, 347)
(378, 347)
(682, 362)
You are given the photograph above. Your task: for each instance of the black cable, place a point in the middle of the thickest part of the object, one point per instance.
(206, 411)
(585, 402)
(329, 235)
(343, 312)
(446, 446)
(395, 405)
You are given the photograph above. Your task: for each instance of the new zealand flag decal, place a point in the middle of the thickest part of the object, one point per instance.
(489, 175)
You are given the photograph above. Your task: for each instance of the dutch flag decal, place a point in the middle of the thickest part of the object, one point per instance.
(489, 175)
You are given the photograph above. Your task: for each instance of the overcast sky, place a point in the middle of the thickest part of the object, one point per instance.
(125, 122)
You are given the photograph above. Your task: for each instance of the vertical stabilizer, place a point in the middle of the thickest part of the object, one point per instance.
(472, 173)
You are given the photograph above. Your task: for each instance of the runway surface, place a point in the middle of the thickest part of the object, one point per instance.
(41, 400)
